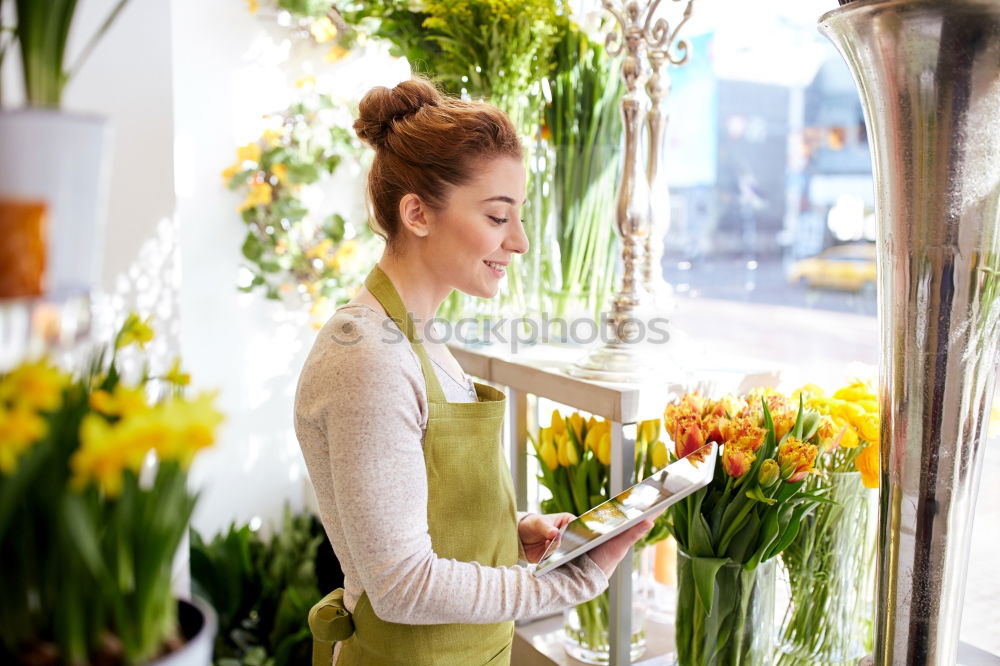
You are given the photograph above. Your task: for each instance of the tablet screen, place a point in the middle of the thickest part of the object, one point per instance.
(648, 497)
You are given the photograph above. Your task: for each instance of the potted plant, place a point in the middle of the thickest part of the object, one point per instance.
(61, 157)
(94, 505)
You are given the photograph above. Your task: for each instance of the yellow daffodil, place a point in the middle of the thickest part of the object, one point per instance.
(175, 376)
(736, 460)
(20, 427)
(103, 455)
(122, 401)
(347, 256)
(337, 52)
(248, 153)
(280, 172)
(193, 424)
(604, 449)
(134, 331)
(260, 194)
(37, 385)
(868, 464)
(796, 459)
(659, 455)
(323, 30)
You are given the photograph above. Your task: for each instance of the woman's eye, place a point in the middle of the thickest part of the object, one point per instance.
(498, 220)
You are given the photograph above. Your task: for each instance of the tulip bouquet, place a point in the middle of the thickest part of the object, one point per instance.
(829, 563)
(729, 532)
(93, 506)
(574, 461)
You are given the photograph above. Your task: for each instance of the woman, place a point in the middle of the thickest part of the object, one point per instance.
(404, 451)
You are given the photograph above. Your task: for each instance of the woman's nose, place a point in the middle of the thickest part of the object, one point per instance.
(517, 239)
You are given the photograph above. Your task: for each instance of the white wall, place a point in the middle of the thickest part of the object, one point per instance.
(230, 68)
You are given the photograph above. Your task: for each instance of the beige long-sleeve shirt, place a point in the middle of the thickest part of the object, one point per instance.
(360, 416)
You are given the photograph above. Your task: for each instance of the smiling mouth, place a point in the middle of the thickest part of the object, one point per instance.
(498, 269)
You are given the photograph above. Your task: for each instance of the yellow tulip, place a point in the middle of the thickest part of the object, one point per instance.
(651, 430)
(769, 473)
(659, 455)
(576, 421)
(593, 438)
(604, 449)
(558, 425)
(868, 464)
(547, 452)
(562, 446)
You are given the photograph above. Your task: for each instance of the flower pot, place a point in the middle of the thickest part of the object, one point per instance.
(738, 628)
(61, 160)
(198, 624)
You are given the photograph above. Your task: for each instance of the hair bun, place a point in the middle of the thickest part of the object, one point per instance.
(381, 107)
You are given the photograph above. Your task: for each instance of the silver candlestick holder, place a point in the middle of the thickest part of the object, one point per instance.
(650, 45)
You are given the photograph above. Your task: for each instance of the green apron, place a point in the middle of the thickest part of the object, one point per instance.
(471, 517)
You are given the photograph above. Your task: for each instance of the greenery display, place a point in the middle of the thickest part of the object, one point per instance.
(41, 30)
(262, 590)
(575, 239)
(94, 504)
(296, 247)
(747, 515)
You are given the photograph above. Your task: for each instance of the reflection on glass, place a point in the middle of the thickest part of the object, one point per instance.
(649, 497)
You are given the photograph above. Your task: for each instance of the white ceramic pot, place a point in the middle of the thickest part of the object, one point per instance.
(63, 160)
(199, 624)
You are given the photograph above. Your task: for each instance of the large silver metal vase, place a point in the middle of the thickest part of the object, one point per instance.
(929, 76)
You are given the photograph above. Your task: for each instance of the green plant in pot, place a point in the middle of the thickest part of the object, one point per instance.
(61, 157)
(94, 505)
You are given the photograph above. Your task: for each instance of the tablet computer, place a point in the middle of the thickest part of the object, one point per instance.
(647, 498)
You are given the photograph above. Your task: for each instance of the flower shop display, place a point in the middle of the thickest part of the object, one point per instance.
(263, 588)
(729, 533)
(297, 247)
(581, 134)
(830, 562)
(574, 459)
(94, 504)
(39, 137)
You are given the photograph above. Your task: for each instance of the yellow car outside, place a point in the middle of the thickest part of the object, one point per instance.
(849, 267)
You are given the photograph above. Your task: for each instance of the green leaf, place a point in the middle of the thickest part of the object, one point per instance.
(252, 247)
(703, 570)
(701, 537)
(756, 493)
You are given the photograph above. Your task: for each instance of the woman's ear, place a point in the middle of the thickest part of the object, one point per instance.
(414, 215)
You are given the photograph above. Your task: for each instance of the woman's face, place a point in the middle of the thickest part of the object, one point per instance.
(471, 241)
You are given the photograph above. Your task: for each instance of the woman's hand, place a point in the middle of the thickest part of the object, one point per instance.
(537, 532)
(610, 553)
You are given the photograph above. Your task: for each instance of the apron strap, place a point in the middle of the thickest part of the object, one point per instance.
(329, 622)
(381, 287)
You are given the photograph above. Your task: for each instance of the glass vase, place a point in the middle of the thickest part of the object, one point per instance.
(738, 628)
(830, 576)
(586, 634)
